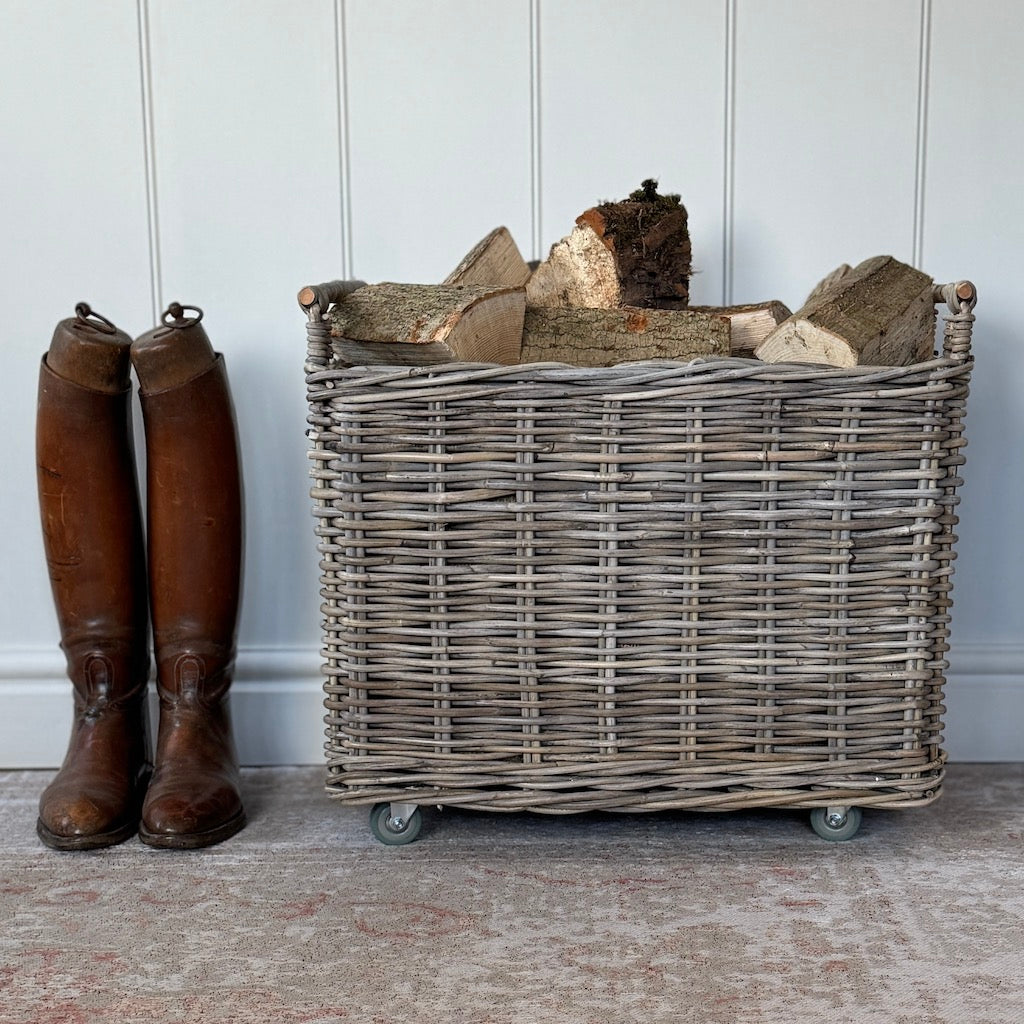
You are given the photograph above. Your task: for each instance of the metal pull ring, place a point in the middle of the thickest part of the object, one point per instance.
(87, 317)
(177, 312)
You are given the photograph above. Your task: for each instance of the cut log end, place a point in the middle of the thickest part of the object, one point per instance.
(880, 313)
(495, 260)
(801, 341)
(749, 324)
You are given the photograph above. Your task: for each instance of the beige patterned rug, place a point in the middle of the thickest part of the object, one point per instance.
(304, 918)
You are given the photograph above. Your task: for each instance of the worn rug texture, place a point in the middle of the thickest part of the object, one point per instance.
(304, 918)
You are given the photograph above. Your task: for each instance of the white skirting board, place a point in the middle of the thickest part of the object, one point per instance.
(277, 706)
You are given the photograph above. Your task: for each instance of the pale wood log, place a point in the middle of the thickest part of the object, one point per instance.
(579, 271)
(494, 260)
(603, 337)
(881, 313)
(749, 324)
(474, 323)
(631, 253)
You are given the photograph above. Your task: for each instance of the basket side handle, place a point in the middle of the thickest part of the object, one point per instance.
(316, 300)
(960, 297)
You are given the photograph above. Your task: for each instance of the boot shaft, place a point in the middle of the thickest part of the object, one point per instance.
(194, 507)
(89, 507)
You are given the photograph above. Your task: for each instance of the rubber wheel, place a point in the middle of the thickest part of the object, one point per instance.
(836, 833)
(383, 830)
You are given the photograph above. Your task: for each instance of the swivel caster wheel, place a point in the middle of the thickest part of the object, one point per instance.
(395, 824)
(836, 824)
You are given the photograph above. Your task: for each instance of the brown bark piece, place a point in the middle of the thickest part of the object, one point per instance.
(604, 337)
(474, 323)
(881, 313)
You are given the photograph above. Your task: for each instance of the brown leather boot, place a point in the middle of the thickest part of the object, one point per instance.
(92, 534)
(195, 563)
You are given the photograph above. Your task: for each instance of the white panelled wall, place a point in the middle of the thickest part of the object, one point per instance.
(224, 153)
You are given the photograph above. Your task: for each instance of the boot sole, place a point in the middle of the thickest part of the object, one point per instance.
(193, 840)
(100, 841)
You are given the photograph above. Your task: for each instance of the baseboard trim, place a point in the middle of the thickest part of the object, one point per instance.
(277, 705)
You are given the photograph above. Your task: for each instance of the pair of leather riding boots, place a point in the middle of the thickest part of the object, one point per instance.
(187, 795)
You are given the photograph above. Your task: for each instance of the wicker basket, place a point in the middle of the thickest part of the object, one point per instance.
(713, 585)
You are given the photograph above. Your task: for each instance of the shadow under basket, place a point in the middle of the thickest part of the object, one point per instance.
(712, 585)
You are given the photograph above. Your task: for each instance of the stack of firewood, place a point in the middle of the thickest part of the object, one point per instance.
(616, 289)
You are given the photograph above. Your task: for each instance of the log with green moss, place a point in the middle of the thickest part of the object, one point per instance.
(635, 252)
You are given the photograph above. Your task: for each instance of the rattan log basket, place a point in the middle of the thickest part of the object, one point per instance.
(712, 585)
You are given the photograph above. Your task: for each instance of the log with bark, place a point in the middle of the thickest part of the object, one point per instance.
(631, 253)
(880, 313)
(604, 337)
(416, 324)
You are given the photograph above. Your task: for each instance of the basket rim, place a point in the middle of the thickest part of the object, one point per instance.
(644, 374)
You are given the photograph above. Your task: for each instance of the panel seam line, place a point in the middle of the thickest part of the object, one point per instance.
(921, 154)
(149, 159)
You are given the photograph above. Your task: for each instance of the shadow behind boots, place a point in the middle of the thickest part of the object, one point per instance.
(92, 534)
(195, 562)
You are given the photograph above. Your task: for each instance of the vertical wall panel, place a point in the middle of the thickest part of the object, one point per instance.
(974, 227)
(634, 91)
(439, 131)
(793, 123)
(248, 186)
(73, 224)
(826, 129)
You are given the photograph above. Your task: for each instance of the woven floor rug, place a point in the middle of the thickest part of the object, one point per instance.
(304, 918)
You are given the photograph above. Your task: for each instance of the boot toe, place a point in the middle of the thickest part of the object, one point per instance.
(75, 818)
(193, 817)
(84, 820)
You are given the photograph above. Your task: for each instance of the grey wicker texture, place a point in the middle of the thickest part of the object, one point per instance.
(716, 585)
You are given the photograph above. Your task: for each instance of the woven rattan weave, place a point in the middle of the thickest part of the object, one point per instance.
(714, 585)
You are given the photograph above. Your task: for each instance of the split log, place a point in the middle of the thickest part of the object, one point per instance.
(630, 253)
(604, 337)
(494, 260)
(830, 281)
(748, 325)
(881, 313)
(416, 324)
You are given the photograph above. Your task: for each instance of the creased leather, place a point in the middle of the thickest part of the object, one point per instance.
(92, 535)
(195, 569)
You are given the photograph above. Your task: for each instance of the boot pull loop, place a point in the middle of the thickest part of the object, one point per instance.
(86, 316)
(178, 320)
